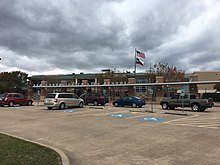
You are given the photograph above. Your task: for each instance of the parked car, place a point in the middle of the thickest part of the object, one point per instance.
(133, 101)
(1, 100)
(62, 100)
(11, 99)
(95, 98)
(188, 100)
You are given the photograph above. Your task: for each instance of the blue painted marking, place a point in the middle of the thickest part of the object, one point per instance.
(151, 118)
(120, 115)
(71, 111)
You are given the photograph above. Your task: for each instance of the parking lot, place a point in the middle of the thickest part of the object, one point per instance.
(120, 135)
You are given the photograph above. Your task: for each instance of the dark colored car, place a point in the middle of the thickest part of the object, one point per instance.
(11, 99)
(1, 100)
(95, 98)
(133, 101)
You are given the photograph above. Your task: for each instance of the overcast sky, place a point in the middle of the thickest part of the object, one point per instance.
(66, 36)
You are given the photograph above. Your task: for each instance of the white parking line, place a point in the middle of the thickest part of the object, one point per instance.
(200, 126)
(210, 126)
(171, 121)
(212, 123)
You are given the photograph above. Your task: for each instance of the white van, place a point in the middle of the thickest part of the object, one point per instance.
(63, 100)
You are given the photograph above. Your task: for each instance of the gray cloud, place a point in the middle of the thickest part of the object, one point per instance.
(50, 37)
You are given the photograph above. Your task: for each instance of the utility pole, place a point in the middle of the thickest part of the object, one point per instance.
(151, 89)
(151, 92)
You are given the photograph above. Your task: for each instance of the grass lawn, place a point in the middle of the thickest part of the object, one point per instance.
(15, 151)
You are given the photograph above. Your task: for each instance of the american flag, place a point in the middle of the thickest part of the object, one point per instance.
(140, 54)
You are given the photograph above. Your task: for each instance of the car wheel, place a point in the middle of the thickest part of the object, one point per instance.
(62, 106)
(11, 104)
(2, 105)
(116, 104)
(81, 104)
(134, 105)
(164, 106)
(49, 108)
(195, 107)
(172, 107)
(96, 103)
(140, 106)
(29, 103)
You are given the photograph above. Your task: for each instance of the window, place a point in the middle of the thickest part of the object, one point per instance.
(17, 95)
(175, 97)
(69, 96)
(141, 89)
(89, 94)
(74, 96)
(192, 97)
(51, 96)
(117, 94)
(65, 96)
(125, 98)
(97, 94)
(184, 97)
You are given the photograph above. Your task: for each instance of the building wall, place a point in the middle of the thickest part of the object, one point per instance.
(114, 93)
(207, 76)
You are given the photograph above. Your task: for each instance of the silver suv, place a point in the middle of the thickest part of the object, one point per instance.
(62, 100)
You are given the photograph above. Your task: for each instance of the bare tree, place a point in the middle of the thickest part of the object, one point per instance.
(169, 72)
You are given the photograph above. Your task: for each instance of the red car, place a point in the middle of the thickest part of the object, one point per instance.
(11, 99)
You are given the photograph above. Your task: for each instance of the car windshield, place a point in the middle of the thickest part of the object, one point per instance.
(137, 98)
(3, 95)
(51, 96)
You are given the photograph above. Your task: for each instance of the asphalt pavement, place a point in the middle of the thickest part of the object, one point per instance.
(120, 135)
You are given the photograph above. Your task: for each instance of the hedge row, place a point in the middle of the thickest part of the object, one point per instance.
(215, 96)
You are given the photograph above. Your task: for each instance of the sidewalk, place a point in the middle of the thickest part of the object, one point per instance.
(216, 104)
(38, 103)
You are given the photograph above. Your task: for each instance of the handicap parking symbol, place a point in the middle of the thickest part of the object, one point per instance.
(71, 111)
(151, 118)
(119, 115)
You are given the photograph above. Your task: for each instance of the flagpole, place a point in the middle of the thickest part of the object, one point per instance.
(135, 60)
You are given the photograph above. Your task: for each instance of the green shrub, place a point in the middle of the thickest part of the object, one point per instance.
(215, 96)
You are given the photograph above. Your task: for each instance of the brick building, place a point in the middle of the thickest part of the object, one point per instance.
(65, 83)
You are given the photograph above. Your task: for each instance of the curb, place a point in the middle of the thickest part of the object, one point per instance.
(95, 107)
(216, 104)
(64, 158)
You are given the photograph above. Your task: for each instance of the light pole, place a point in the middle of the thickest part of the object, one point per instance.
(151, 89)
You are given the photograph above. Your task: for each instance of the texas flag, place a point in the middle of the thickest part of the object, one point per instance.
(140, 54)
(140, 62)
